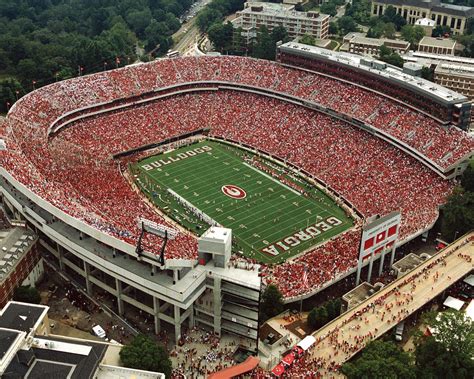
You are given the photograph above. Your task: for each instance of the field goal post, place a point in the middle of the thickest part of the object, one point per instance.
(162, 231)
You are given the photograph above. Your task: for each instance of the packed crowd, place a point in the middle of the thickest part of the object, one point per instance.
(442, 145)
(75, 172)
(202, 353)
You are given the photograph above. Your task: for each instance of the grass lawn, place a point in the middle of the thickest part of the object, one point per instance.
(273, 214)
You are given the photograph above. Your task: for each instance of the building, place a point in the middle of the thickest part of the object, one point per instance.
(451, 71)
(458, 77)
(454, 16)
(254, 15)
(28, 350)
(20, 261)
(427, 24)
(432, 60)
(371, 46)
(443, 46)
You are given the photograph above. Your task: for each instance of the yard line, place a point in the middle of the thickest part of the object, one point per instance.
(271, 178)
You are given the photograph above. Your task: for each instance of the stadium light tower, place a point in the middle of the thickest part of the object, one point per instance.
(159, 230)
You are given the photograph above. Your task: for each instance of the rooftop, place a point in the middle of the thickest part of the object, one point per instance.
(438, 42)
(459, 69)
(57, 358)
(14, 243)
(22, 316)
(7, 339)
(431, 58)
(387, 71)
(425, 22)
(280, 10)
(377, 41)
(217, 233)
(434, 5)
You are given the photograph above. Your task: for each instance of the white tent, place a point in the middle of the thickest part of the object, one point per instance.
(470, 280)
(307, 342)
(452, 302)
(470, 310)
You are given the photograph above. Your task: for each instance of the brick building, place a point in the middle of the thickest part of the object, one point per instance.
(20, 261)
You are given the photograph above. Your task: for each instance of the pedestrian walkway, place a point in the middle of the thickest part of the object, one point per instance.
(338, 341)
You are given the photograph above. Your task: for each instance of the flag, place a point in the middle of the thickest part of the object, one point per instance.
(305, 277)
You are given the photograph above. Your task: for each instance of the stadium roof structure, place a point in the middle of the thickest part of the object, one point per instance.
(377, 67)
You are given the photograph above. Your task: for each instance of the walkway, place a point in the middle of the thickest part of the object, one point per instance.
(349, 333)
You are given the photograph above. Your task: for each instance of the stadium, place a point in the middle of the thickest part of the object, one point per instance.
(136, 179)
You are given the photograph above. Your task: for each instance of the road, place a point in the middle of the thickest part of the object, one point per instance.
(338, 341)
(188, 35)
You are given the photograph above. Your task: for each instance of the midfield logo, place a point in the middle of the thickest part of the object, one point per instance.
(233, 191)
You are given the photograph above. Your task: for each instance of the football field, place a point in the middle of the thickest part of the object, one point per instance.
(273, 215)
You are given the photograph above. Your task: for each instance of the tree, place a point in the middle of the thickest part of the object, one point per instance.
(434, 361)
(458, 214)
(467, 179)
(333, 28)
(390, 56)
(331, 309)
(321, 316)
(380, 360)
(308, 40)
(312, 319)
(271, 303)
(27, 294)
(441, 31)
(143, 353)
(265, 46)
(221, 36)
(391, 16)
(329, 8)
(455, 331)
(448, 353)
(10, 90)
(427, 73)
(412, 34)
(346, 25)
(279, 33)
(389, 30)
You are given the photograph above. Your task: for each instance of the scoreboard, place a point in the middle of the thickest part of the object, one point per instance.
(380, 235)
(378, 238)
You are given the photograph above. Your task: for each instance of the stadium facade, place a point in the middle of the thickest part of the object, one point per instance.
(185, 290)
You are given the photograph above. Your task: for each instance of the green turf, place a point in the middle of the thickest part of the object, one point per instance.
(269, 214)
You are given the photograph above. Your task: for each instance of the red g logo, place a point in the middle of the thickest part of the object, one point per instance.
(233, 191)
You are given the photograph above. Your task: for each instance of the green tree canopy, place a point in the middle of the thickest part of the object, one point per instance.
(271, 302)
(458, 214)
(380, 360)
(390, 56)
(448, 353)
(27, 294)
(391, 16)
(221, 36)
(308, 40)
(412, 34)
(346, 24)
(467, 179)
(144, 354)
(433, 360)
(41, 38)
